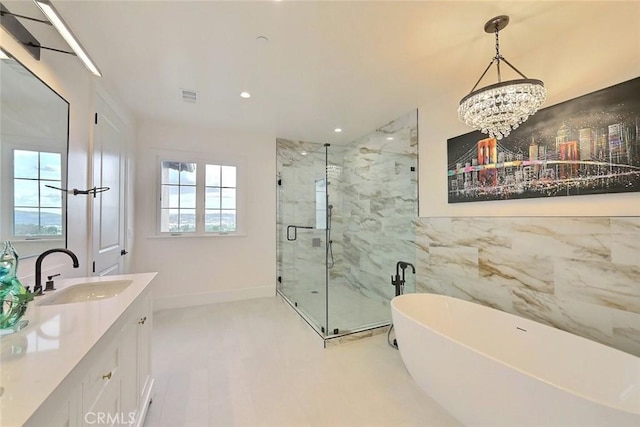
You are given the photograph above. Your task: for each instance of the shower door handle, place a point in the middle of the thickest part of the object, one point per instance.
(295, 231)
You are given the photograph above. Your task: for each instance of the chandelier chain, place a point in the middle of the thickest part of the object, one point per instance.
(498, 51)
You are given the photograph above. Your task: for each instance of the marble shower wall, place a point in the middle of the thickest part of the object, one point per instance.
(579, 274)
(380, 196)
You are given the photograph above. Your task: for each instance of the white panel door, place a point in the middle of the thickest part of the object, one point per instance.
(108, 206)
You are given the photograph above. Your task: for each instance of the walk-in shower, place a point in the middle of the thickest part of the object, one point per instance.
(345, 217)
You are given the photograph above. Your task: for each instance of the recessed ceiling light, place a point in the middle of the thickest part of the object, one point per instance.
(245, 95)
(304, 153)
(337, 130)
(262, 39)
(389, 138)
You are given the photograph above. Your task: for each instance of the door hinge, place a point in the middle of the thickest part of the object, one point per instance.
(95, 119)
(94, 266)
(123, 252)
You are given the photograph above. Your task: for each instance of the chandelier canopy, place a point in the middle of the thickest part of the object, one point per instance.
(499, 108)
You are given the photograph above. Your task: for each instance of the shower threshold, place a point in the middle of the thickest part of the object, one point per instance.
(343, 336)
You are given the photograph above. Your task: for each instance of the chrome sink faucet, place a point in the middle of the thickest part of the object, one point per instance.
(37, 288)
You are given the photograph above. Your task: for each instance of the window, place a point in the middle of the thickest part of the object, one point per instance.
(178, 197)
(37, 209)
(198, 197)
(220, 201)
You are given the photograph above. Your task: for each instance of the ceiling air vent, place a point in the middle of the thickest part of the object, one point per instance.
(189, 96)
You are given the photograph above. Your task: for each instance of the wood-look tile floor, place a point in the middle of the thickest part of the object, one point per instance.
(256, 363)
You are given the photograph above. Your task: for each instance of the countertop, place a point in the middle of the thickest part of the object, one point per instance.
(35, 360)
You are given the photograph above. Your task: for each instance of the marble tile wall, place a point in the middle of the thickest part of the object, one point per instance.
(380, 199)
(579, 274)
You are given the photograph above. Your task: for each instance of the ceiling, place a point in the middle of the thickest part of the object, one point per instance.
(354, 65)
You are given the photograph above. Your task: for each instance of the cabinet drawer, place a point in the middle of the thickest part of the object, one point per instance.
(100, 375)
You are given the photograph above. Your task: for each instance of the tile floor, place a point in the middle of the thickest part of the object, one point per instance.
(256, 363)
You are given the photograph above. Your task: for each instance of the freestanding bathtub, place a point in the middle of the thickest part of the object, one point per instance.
(491, 368)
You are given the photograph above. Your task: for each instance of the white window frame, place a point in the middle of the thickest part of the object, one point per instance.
(7, 226)
(201, 160)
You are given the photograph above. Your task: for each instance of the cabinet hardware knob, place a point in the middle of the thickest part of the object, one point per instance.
(107, 376)
(142, 320)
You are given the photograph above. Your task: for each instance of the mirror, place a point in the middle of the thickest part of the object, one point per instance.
(34, 130)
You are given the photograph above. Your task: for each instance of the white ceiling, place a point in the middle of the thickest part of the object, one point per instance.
(354, 65)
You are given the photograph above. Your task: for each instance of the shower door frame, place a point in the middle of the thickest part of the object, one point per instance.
(321, 326)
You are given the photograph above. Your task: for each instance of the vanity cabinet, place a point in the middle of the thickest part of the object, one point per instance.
(112, 384)
(62, 412)
(101, 383)
(136, 381)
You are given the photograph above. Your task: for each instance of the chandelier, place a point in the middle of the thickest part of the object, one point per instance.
(333, 171)
(499, 108)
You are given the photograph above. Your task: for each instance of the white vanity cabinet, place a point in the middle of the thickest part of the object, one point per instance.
(61, 412)
(136, 382)
(112, 384)
(100, 386)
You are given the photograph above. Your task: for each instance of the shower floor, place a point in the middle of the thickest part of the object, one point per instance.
(348, 310)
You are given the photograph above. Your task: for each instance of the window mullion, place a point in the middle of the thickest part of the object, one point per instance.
(39, 192)
(220, 195)
(200, 196)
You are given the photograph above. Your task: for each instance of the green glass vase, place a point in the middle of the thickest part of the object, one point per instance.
(14, 298)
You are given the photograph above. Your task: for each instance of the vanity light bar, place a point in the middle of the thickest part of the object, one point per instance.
(56, 20)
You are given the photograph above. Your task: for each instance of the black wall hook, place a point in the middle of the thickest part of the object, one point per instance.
(75, 191)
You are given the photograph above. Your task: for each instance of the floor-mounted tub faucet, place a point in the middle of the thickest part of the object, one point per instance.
(37, 288)
(398, 281)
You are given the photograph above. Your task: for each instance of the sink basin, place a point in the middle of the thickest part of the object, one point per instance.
(84, 292)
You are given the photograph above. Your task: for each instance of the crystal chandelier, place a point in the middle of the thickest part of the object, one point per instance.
(333, 171)
(499, 108)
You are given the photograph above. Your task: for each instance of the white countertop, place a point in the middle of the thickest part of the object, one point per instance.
(35, 360)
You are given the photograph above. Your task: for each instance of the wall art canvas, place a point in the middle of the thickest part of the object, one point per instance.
(587, 145)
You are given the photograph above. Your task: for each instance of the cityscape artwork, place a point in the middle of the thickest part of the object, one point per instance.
(588, 145)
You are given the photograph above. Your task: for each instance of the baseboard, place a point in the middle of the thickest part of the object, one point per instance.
(190, 300)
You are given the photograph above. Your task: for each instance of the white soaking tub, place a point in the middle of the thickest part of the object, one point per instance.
(491, 368)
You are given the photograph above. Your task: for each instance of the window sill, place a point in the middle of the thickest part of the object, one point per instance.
(36, 239)
(195, 236)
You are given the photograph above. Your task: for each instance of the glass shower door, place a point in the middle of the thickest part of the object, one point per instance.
(301, 233)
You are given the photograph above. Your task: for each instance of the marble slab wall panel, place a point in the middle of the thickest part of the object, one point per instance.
(380, 193)
(625, 234)
(399, 136)
(579, 274)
